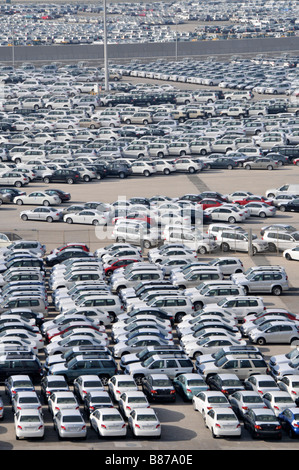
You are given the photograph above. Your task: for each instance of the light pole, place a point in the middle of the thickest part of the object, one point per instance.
(106, 71)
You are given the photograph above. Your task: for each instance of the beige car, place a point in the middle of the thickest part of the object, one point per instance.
(140, 117)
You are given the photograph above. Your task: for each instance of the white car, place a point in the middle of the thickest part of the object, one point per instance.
(278, 401)
(118, 384)
(243, 400)
(260, 209)
(290, 384)
(164, 167)
(43, 214)
(14, 178)
(87, 216)
(129, 401)
(37, 198)
(108, 422)
(28, 424)
(210, 345)
(261, 383)
(143, 168)
(70, 424)
(226, 214)
(223, 422)
(144, 422)
(208, 399)
(26, 400)
(85, 384)
(58, 401)
(291, 254)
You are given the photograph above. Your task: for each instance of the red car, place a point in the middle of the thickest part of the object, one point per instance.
(248, 199)
(276, 311)
(120, 263)
(206, 203)
(71, 245)
(63, 329)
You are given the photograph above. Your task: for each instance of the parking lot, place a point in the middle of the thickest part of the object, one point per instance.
(182, 427)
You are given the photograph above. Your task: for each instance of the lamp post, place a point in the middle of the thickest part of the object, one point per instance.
(106, 71)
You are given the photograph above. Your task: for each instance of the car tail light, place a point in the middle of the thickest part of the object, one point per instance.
(279, 427)
(19, 427)
(137, 426)
(154, 391)
(244, 407)
(217, 425)
(256, 426)
(63, 427)
(41, 426)
(124, 425)
(128, 407)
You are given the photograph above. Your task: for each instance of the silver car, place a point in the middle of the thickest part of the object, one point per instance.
(262, 163)
(44, 214)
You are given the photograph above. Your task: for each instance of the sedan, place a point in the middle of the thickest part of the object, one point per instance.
(158, 387)
(132, 400)
(223, 422)
(61, 401)
(262, 423)
(119, 384)
(242, 401)
(188, 385)
(261, 383)
(45, 214)
(260, 209)
(70, 424)
(26, 400)
(108, 422)
(28, 424)
(208, 399)
(291, 254)
(85, 384)
(50, 384)
(144, 422)
(97, 399)
(37, 198)
(289, 419)
(226, 214)
(16, 383)
(278, 401)
(262, 163)
(226, 383)
(290, 384)
(87, 217)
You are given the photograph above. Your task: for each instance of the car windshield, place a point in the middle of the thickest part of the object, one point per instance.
(162, 383)
(72, 419)
(266, 418)
(101, 400)
(22, 383)
(217, 399)
(195, 383)
(66, 400)
(226, 417)
(253, 399)
(146, 418)
(29, 400)
(124, 383)
(111, 417)
(283, 400)
(30, 419)
(92, 383)
(137, 400)
(232, 383)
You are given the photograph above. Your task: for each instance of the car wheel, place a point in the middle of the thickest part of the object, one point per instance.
(225, 247)
(18, 184)
(49, 219)
(229, 167)
(70, 181)
(191, 169)
(69, 220)
(182, 153)
(19, 202)
(138, 379)
(121, 175)
(254, 250)
(260, 341)
(166, 171)
(179, 317)
(146, 173)
(247, 167)
(147, 244)
(104, 379)
(202, 250)
(203, 152)
(282, 208)
(262, 215)
(24, 217)
(269, 167)
(231, 220)
(272, 247)
(95, 222)
(197, 354)
(46, 180)
(276, 290)
(46, 203)
(288, 256)
(198, 305)
(86, 178)
(160, 154)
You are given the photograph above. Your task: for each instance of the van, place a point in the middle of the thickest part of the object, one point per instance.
(286, 188)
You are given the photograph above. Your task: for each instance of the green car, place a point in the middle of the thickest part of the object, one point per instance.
(85, 365)
(188, 385)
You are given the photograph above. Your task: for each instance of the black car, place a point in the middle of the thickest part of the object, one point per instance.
(158, 387)
(63, 176)
(118, 169)
(100, 170)
(262, 423)
(291, 206)
(221, 162)
(7, 126)
(52, 260)
(21, 366)
(65, 197)
(290, 151)
(226, 385)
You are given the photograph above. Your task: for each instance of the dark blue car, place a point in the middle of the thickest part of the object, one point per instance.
(289, 419)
